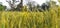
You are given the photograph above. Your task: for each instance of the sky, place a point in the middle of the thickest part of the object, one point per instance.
(24, 1)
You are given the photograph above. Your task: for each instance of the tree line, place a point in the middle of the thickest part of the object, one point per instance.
(30, 6)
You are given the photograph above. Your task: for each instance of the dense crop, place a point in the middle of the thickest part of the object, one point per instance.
(46, 19)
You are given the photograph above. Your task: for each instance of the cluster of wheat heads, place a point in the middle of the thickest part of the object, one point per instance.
(46, 19)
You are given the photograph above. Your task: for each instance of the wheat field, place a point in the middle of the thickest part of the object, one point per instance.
(14, 19)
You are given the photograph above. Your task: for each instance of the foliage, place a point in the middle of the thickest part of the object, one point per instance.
(12, 4)
(2, 7)
(46, 19)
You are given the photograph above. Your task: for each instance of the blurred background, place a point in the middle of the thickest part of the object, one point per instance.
(19, 5)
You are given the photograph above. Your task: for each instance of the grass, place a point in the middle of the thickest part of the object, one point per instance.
(47, 19)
